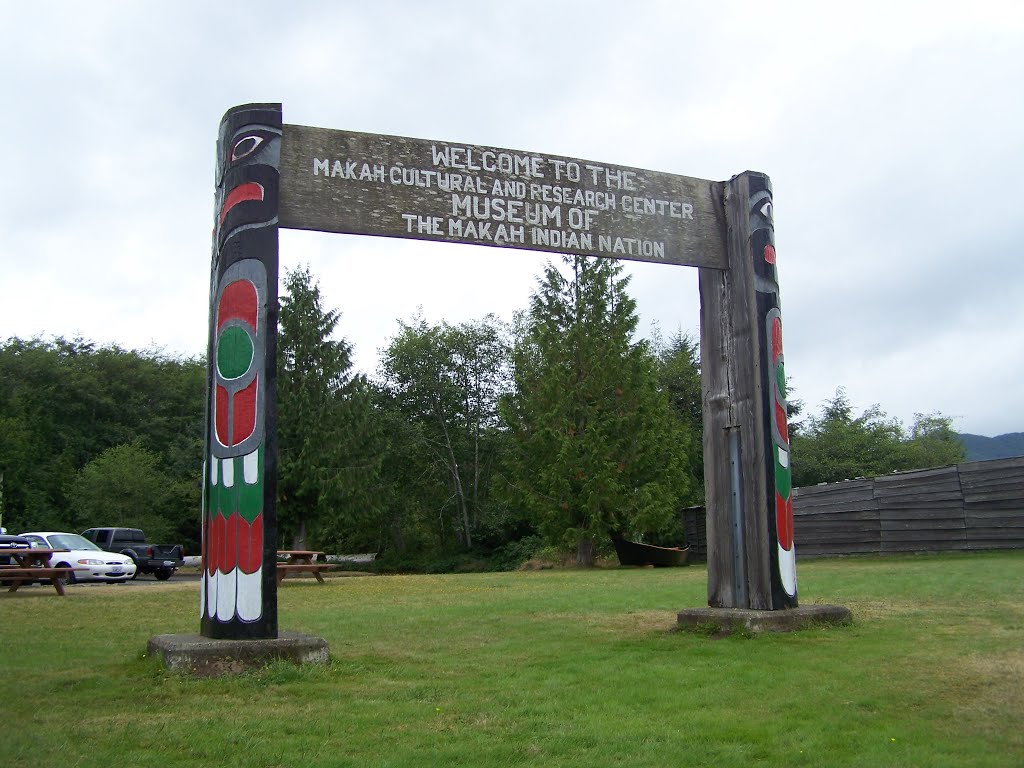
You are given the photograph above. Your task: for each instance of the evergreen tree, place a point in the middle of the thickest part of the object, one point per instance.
(838, 446)
(679, 377)
(329, 446)
(595, 447)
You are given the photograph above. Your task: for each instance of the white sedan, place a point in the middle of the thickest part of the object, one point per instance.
(90, 563)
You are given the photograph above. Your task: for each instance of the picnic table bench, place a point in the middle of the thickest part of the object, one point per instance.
(32, 566)
(301, 561)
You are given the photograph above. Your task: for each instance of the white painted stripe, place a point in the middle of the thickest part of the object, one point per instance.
(228, 471)
(250, 595)
(251, 467)
(783, 457)
(202, 595)
(227, 589)
(214, 461)
(211, 594)
(787, 569)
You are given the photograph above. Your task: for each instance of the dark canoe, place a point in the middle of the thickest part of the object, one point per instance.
(635, 553)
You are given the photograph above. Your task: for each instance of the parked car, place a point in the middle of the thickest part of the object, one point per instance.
(162, 560)
(90, 563)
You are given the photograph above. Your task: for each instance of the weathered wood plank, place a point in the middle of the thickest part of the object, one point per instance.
(924, 526)
(839, 538)
(996, 466)
(861, 487)
(695, 528)
(1005, 499)
(852, 515)
(994, 543)
(943, 487)
(851, 549)
(825, 501)
(739, 562)
(1007, 516)
(394, 186)
(922, 508)
(717, 351)
(820, 499)
(860, 527)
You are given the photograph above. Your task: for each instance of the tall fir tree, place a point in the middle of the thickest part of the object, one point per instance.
(679, 377)
(596, 449)
(329, 444)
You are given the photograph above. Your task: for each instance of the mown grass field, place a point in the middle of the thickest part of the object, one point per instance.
(550, 668)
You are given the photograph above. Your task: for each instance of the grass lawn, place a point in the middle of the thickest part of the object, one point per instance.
(550, 668)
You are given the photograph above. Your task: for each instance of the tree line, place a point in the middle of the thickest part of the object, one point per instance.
(477, 443)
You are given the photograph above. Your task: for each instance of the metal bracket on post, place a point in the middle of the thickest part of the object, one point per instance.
(739, 560)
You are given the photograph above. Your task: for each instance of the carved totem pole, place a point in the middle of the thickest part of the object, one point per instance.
(238, 594)
(774, 408)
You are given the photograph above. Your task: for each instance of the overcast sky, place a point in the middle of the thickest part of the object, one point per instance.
(893, 133)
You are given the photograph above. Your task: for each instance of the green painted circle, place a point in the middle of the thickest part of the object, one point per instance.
(234, 353)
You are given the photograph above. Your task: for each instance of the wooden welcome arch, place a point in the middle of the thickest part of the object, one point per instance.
(272, 175)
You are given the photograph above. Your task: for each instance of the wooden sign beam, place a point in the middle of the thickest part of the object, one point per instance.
(369, 184)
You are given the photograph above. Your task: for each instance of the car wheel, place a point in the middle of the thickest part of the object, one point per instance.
(138, 570)
(70, 578)
(163, 574)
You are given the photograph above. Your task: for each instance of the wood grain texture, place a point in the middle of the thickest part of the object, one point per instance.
(392, 186)
(731, 384)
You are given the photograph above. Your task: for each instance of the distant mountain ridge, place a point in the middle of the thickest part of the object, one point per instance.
(981, 448)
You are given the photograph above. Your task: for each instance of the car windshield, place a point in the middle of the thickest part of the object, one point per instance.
(70, 541)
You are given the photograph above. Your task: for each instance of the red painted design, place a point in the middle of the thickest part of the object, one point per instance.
(784, 521)
(245, 413)
(215, 530)
(243, 193)
(781, 423)
(250, 545)
(220, 416)
(776, 340)
(781, 420)
(769, 253)
(228, 545)
(239, 301)
(207, 558)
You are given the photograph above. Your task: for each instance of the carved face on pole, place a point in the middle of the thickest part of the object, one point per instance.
(237, 592)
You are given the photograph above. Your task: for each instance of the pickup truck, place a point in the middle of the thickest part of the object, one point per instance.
(162, 560)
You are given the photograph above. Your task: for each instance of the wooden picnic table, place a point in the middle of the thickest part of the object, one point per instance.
(301, 561)
(33, 565)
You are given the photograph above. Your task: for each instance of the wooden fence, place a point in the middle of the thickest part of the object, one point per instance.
(975, 505)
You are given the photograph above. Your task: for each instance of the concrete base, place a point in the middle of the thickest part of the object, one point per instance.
(206, 657)
(724, 621)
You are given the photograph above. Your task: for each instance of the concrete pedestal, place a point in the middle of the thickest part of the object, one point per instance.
(207, 657)
(724, 621)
